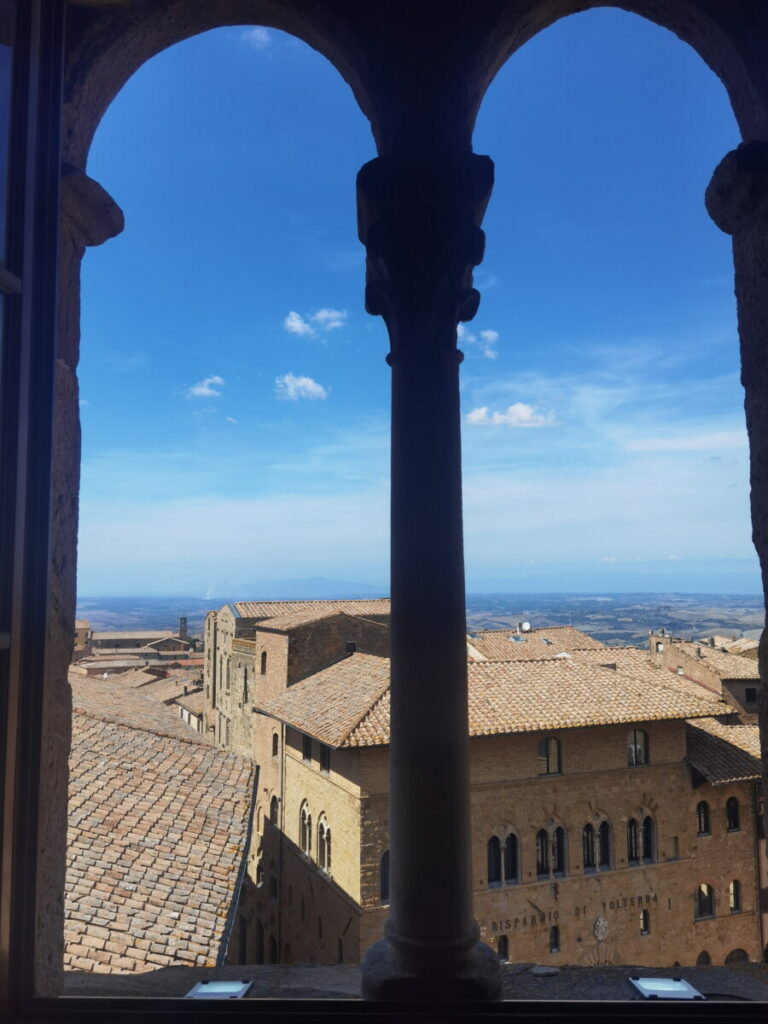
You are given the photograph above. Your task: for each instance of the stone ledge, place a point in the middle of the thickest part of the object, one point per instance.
(340, 981)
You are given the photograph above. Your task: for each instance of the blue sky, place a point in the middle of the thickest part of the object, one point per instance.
(234, 392)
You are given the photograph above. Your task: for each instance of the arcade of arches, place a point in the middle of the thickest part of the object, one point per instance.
(418, 72)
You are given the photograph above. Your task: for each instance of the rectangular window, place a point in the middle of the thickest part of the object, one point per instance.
(750, 695)
(351, 646)
(325, 758)
(306, 748)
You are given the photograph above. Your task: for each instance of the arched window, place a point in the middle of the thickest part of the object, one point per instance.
(511, 859)
(648, 838)
(637, 747)
(549, 762)
(384, 877)
(732, 815)
(704, 901)
(734, 896)
(305, 830)
(275, 744)
(702, 818)
(558, 851)
(263, 663)
(542, 853)
(588, 847)
(503, 947)
(645, 922)
(703, 959)
(273, 958)
(737, 956)
(604, 845)
(324, 845)
(633, 842)
(494, 861)
(554, 939)
(274, 810)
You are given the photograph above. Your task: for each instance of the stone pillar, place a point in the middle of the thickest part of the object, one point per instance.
(88, 216)
(737, 201)
(420, 225)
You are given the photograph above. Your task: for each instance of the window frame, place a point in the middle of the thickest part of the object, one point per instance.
(703, 819)
(698, 897)
(732, 805)
(552, 752)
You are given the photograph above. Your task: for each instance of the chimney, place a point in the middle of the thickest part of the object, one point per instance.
(711, 641)
(186, 691)
(182, 627)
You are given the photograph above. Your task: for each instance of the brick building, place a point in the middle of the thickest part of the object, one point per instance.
(714, 667)
(586, 791)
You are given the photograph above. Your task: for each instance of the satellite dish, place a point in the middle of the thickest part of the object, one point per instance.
(526, 627)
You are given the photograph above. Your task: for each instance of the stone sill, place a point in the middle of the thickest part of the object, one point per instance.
(341, 981)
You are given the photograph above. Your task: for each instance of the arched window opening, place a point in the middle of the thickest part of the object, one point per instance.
(503, 947)
(604, 845)
(511, 859)
(737, 956)
(554, 939)
(324, 845)
(637, 747)
(705, 901)
(702, 818)
(732, 815)
(703, 959)
(274, 810)
(558, 851)
(305, 830)
(542, 853)
(494, 861)
(384, 877)
(549, 761)
(734, 896)
(648, 840)
(633, 842)
(273, 955)
(263, 663)
(645, 922)
(275, 744)
(588, 847)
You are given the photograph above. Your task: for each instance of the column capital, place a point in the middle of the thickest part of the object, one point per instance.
(737, 194)
(420, 224)
(87, 209)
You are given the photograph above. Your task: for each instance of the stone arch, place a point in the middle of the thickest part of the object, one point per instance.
(737, 956)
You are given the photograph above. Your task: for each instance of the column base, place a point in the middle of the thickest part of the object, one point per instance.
(389, 975)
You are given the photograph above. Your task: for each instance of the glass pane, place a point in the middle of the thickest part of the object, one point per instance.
(6, 33)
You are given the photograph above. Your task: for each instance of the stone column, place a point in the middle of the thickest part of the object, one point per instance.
(420, 225)
(737, 201)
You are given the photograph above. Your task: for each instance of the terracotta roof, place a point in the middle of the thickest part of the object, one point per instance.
(723, 753)
(110, 701)
(272, 609)
(509, 645)
(292, 620)
(194, 702)
(330, 704)
(725, 665)
(159, 829)
(347, 705)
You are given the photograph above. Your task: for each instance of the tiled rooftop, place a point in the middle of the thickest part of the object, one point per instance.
(158, 831)
(509, 645)
(347, 705)
(637, 663)
(111, 701)
(722, 752)
(272, 609)
(725, 665)
(292, 620)
(194, 702)
(128, 634)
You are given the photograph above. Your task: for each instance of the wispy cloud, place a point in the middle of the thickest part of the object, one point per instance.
(84, 401)
(517, 415)
(310, 324)
(206, 388)
(291, 388)
(258, 37)
(231, 419)
(484, 340)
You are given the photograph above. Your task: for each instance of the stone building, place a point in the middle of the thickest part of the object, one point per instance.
(586, 794)
(419, 74)
(716, 668)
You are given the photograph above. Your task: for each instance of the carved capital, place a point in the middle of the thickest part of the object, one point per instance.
(737, 195)
(420, 224)
(87, 209)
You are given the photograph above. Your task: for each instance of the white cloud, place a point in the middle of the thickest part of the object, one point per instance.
(290, 387)
(295, 323)
(328, 319)
(84, 401)
(517, 415)
(257, 36)
(231, 419)
(483, 340)
(206, 388)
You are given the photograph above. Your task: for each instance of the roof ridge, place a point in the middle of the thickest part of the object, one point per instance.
(369, 710)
